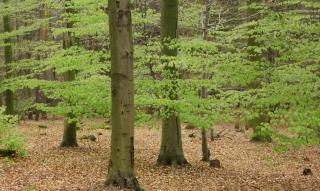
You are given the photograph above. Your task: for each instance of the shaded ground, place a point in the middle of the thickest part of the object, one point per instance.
(246, 165)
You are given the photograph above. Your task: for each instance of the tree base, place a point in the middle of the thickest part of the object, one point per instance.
(206, 158)
(7, 153)
(65, 144)
(171, 161)
(129, 182)
(215, 163)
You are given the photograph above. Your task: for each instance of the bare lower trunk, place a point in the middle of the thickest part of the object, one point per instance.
(205, 149)
(211, 134)
(171, 151)
(70, 132)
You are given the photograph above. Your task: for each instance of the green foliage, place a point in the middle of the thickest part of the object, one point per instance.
(100, 126)
(10, 140)
(262, 133)
(261, 60)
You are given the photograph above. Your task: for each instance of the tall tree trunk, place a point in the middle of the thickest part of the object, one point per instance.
(205, 29)
(252, 55)
(44, 13)
(70, 122)
(171, 150)
(8, 58)
(121, 164)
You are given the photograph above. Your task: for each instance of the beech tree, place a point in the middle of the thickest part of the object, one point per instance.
(8, 58)
(204, 93)
(121, 165)
(171, 151)
(70, 122)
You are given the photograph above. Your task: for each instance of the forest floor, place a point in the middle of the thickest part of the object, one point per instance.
(245, 165)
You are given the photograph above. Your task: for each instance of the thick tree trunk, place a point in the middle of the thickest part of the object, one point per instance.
(171, 150)
(121, 164)
(70, 132)
(8, 58)
(70, 125)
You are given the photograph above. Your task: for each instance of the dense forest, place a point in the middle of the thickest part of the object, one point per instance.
(159, 95)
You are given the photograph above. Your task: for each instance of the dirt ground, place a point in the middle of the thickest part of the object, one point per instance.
(245, 165)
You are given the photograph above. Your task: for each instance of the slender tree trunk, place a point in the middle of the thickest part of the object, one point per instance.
(8, 58)
(205, 29)
(205, 148)
(211, 134)
(121, 164)
(70, 122)
(252, 55)
(171, 150)
(44, 13)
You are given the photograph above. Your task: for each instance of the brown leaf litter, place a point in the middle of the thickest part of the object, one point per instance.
(245, 165)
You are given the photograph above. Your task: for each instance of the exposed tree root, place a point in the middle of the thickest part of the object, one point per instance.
(172, 161)
(129, 182)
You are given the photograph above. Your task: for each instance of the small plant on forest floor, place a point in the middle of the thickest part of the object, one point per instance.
(262, 133)
(89, 137)
(7, 162)
(42, 126)
(280, 148)
(265, 158)
(11, 143)
(100, 126)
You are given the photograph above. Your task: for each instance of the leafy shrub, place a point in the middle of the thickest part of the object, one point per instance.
(11, 143)
(262, 133)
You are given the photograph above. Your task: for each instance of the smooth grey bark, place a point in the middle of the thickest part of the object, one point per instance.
(121, 164)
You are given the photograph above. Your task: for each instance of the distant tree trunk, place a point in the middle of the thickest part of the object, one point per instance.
(70, 131)
(45, 36)
(44, 13)
(8, 58)
(70, 122)
(121, 164)
(171, 150)
(205, 148)
(205, 29)
(211, 134)
(253, 56)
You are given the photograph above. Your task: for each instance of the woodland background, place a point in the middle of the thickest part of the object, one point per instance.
(245, 70)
